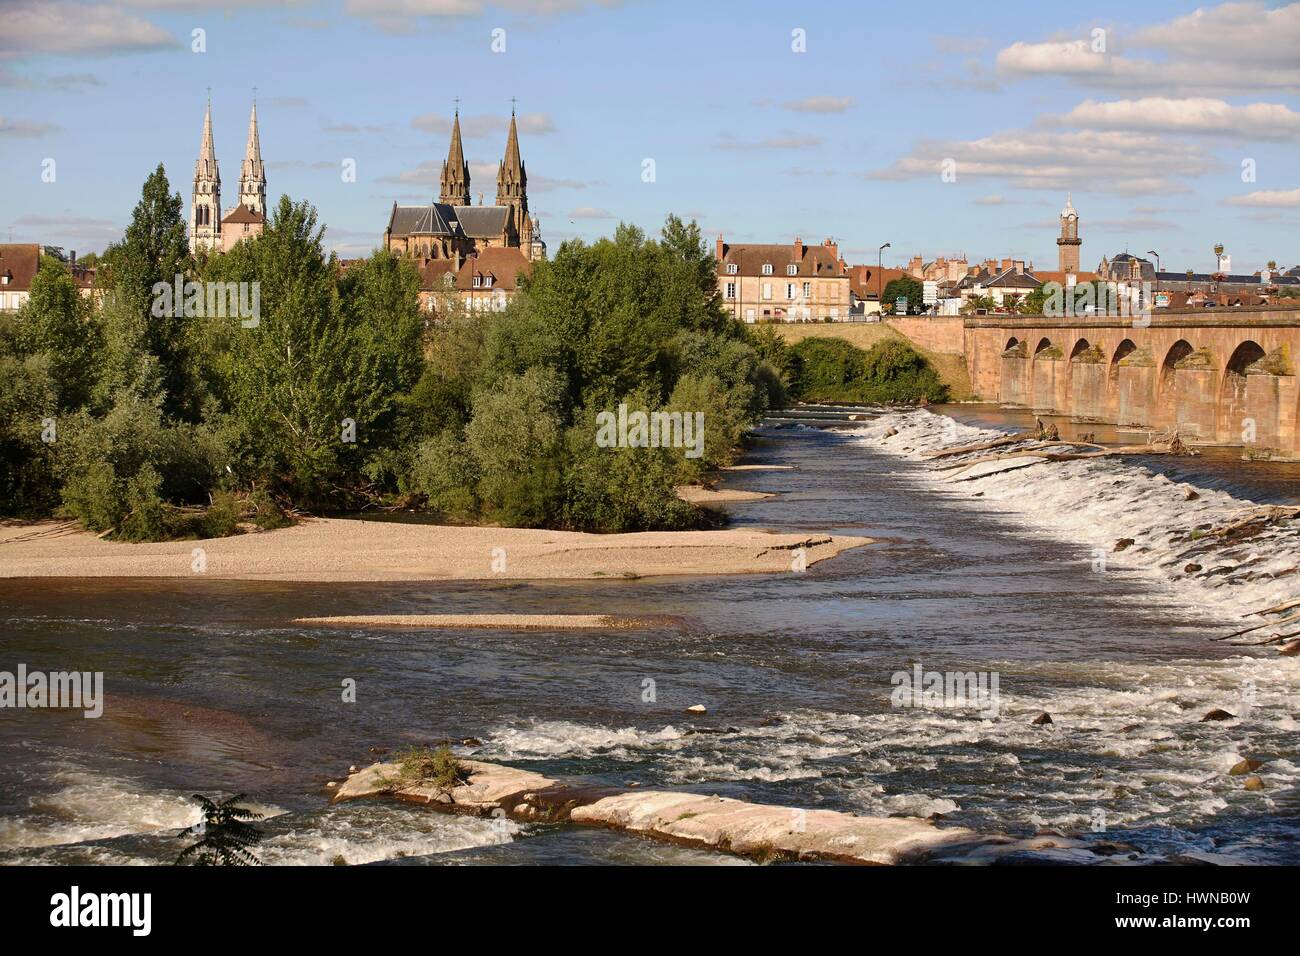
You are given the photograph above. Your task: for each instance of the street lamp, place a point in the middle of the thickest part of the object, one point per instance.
(880, 277)
(1152, 252)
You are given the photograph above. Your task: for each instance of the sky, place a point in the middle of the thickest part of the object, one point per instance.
(943, 129)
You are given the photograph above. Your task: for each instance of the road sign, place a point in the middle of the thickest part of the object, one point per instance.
(931, 294)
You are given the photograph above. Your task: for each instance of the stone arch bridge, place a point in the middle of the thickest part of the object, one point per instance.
(1225, 377)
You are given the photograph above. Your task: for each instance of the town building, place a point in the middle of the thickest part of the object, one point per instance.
(19, 263)
(453, 227)
(210, 231)
(769, 282)
(483, 282)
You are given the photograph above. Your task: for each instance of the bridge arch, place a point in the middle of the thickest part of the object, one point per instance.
(1047, 377)
(1249, 412)
(1131, 381)
(1014, 368)
(1087, 380)
(1186, 391)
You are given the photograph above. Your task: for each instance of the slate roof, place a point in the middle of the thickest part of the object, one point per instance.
(817, 261)
(483, 222)
(435, 219)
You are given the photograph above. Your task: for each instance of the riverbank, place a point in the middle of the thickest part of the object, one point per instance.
(338, 549)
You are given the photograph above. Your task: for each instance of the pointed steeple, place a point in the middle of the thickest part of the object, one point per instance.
(512, 173)
(455, 171)
(206, 167)
(205, 200)
(252, 172)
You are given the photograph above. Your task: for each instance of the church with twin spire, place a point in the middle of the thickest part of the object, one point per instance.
(210, 230)
(454, 228)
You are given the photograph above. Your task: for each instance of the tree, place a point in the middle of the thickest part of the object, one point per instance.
(58, 323)
(228, 837)
(153, 250)
(1034, 302)
(904, 287)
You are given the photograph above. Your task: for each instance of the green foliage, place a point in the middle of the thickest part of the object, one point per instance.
(228, 836)
(58, 323)
(833, 370)
(27, 397)
(1034, 302)
(344, 392)
(903, 287)
(153, 250)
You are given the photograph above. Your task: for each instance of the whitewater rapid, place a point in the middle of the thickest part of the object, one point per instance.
(1096, 503)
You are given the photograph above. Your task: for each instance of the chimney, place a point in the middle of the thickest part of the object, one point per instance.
(916, 266)
(1019, 266)
(798, 249)
(833, 247)
(72, 257)
(721, 248)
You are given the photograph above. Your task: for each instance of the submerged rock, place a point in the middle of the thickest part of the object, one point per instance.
(1042, 719)
(1123, 543)
(697, 709)
(1245, 766)
(1290, 648)
(1218, 714)
(1254, 783)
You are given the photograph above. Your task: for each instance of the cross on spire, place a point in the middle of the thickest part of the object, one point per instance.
(458, 106)
(512, 106)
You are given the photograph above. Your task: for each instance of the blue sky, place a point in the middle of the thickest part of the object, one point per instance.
(1148, 121)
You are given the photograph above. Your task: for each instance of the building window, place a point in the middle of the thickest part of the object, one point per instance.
(807, 290)
(749, 315)
(789, 290)
(767, 268)
(792, 270)
(731, 268)
(767, 290)
(731, 290)
(478, 281)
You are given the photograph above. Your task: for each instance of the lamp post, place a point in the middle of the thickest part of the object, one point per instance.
(1152, 252)
(880, 278)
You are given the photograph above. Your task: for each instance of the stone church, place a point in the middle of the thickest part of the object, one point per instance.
(453, 228)
(209, 230)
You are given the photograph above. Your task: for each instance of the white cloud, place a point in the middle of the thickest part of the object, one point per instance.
(590, 212)
(1267, 198)
(1230, 49)
(32, 27)
(821, 104)
(1106, 161)
(1195, 115)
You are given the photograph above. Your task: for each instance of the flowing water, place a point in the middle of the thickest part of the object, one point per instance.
(211, 690)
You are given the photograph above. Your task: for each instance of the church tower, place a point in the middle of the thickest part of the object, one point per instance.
(512, 191)
(1068, 244)
(252, 173)
(455, 171)
(205, 202)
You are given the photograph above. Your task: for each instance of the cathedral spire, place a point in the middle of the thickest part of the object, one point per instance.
(205, 200)
(252, 172)
(455, 171)
(512, 190)
(206, 167)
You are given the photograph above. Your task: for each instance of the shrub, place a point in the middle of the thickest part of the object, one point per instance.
(833, 370)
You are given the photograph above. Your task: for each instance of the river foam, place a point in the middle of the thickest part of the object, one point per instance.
(1096, 503)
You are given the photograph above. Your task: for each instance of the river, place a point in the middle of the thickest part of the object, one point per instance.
(210, 689)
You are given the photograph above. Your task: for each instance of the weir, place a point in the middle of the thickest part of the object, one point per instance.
(1223, 377)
